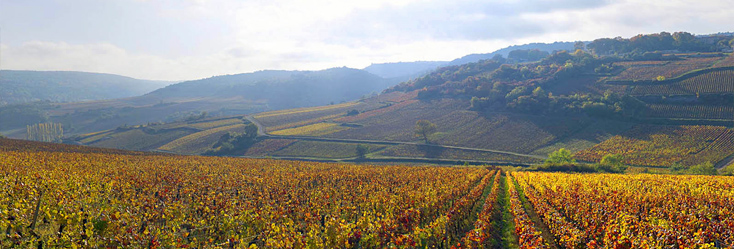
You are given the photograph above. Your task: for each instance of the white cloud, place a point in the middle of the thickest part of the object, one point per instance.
(177, 40)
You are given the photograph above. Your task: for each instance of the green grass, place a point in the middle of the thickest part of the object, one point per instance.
(506, 222)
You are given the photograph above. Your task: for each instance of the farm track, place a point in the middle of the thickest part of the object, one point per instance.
(261, 133)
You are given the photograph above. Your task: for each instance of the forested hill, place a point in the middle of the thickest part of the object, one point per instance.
(626, 97)
(667, 76)
(547, 47)
(283, 89)
(18, 87)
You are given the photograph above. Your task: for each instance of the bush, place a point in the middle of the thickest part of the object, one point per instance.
(706, 168)
(611, 163)
(561, 156)
(678, 168)
(728, 171)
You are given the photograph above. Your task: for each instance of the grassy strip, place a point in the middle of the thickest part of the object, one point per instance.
(506, 223)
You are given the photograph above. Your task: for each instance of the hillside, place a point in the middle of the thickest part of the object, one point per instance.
(505, 52)
(217, 96)
(193, 136)
(641, 104)
(282, 89)
(409, 70)
(17, 87)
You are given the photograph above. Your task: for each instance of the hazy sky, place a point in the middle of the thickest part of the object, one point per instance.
(190, 39)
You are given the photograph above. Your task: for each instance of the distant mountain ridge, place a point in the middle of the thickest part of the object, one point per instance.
(17, 87)
(402, 69)
(547, 47)
(410, 70)
(283, 89)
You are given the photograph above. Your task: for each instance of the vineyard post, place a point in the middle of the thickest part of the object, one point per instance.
(35, 214)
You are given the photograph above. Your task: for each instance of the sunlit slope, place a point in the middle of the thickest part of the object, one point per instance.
(595, 107)
(75, 196)
(185, 137)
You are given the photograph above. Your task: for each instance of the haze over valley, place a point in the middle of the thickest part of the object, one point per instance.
(366, 124)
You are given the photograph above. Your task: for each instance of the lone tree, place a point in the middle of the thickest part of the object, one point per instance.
(424, 128)
(362, 151)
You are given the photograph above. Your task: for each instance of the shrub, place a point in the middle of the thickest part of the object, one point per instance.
(728, 171)
(611, 163)
(561, 156)
(706, 168)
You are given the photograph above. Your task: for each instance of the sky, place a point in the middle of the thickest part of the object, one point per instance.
(192, 39)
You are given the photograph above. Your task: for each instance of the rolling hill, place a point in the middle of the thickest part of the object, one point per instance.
(17, 87)
(638, 102)
(405, 70)
(505, 52)
(656, 109)
(282, 89)
(217, 96)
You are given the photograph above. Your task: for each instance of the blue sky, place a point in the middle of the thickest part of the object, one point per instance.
(190, 39)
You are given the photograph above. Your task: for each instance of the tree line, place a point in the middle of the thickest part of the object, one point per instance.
(45, 132)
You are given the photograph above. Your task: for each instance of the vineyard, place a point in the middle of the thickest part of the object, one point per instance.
(459, 127)
(318, 129)
(199, 142)
(262, 148)
(652, 145)
(305, 110)
(633, 211)
(215, 124)
(690, 111)
(708, 83)
(140, 139)
(64, 196)
(726, 62)
(651, 70)
(322, 149)
(102, 200)
(448, 153)
(294, 118)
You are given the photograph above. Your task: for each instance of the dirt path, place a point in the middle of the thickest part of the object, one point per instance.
(260, 127)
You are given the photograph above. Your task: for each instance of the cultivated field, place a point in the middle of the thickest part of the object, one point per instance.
(650, 70)
(708, 83)
(656, 145)
(73, 196)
